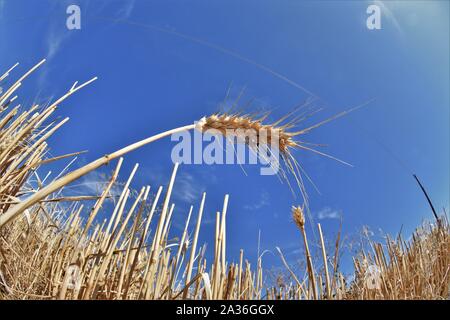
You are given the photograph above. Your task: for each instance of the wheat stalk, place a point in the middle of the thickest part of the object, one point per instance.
(299, 219)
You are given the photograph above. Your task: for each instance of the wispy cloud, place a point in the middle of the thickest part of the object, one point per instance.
(93, 184)
(329, 213)
(188, 189)
(56, 35)
(262, 202)
(125, 11)
(54, 40)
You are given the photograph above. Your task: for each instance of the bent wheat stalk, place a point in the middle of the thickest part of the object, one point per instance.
(220, 122)
(203, 125)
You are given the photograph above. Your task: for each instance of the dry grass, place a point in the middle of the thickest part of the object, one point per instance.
(397, 269)
(50, 249)
(414, 269)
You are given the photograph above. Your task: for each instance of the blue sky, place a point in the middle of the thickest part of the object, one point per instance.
(152, 78)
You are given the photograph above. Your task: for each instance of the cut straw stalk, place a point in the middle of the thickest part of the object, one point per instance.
(219, 265)
(325, 262)
(158, 241)
(181, 245)
(194, 242)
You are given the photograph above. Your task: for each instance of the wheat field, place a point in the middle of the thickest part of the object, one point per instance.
(50, 249)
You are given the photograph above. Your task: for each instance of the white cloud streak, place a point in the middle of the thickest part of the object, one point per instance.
(187, 189)
(329, 213)
(262, 202)
(125, 11)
